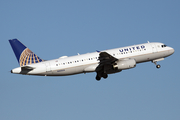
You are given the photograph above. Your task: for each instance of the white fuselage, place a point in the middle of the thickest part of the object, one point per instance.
(88, 62)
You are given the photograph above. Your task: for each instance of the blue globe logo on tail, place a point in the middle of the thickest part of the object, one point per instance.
(28, 57)
(23, 54)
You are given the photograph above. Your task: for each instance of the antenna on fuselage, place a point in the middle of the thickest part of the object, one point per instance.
(148, 41)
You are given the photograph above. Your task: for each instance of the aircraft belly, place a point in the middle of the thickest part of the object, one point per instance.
(68, 71)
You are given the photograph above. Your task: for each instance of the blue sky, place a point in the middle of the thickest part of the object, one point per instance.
(56, 28)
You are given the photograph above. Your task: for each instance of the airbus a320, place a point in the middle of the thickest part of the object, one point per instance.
(102, 62)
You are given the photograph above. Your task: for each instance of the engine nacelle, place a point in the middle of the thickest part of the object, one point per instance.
(125, 64)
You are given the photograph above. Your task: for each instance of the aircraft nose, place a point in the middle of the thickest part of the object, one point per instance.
(171, 51)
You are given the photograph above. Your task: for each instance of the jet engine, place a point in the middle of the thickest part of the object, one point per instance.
(124, 64)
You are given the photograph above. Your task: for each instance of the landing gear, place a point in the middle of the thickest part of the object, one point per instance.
(157, 65)
(105, 75)
(98, 76)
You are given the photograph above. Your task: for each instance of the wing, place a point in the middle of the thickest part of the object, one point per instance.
(106, 61)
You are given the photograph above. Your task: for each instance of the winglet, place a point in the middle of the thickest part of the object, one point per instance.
(24, 55)
(98, 51)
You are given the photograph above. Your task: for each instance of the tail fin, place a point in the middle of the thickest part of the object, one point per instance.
(23, 54)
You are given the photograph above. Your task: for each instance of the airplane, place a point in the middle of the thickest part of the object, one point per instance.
(102, 62)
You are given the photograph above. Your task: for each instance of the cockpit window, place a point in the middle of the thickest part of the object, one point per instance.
(163, 46)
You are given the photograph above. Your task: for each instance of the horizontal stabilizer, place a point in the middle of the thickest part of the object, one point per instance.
(24, 68)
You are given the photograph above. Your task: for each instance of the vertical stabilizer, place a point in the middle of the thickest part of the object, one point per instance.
(23, 54)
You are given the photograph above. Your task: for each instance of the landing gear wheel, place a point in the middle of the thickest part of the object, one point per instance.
(105, 75)
(98, 78)
(158, 66)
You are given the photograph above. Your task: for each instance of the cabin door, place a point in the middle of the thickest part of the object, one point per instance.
(154, 49)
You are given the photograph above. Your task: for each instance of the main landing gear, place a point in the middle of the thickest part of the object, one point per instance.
(98, 76)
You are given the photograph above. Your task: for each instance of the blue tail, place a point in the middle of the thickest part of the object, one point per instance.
(23, 54)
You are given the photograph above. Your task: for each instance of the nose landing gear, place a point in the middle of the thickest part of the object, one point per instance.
(157, 65)
(155, 62)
